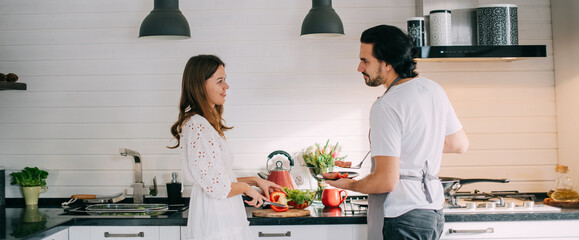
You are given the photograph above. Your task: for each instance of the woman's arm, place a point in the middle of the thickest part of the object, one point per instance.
(266, 186)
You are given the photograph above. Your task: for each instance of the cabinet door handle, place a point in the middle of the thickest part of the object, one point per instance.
(287, 234)
(118, 235)
(488, 230)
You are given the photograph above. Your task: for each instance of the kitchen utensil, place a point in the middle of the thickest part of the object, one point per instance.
(79, 200)
(452, 185)
(104, 199)
(332, 197)
(263, 175)
(265, 203)
(350, 175)
(359, 165)
(273, 214)
(361, 202)
(279, 174)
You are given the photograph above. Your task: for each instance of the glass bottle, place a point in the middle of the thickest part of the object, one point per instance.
(563, 190)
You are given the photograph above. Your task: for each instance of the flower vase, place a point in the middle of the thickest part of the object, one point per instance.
(316, 172)
(321, 186)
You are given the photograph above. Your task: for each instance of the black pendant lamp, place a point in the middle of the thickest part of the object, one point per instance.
(165, 21)
(322, 21)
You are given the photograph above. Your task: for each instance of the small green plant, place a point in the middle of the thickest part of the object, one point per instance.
(29, 177)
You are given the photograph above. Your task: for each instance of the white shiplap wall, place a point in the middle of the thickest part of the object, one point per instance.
(94, 87)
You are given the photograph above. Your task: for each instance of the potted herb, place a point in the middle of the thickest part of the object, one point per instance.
(33, 183)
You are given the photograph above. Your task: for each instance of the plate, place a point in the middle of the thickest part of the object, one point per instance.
(350, 175)
(360, 202)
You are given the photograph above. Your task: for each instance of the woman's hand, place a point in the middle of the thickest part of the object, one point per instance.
(256, 197)
(267, 186)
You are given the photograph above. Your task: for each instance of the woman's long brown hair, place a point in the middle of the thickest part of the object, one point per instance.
(194, 98)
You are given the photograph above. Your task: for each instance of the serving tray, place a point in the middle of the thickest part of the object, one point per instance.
(127, 209)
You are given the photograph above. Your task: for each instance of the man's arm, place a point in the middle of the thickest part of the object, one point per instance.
(456, 142)
(383, 179)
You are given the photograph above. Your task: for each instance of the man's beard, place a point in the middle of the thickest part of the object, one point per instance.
(376, 81)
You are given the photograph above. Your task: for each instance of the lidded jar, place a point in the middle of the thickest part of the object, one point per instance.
(564, 189)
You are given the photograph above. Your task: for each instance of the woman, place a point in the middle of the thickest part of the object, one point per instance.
(216, 209)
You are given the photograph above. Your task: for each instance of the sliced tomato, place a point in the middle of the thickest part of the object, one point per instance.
(279, 197)
(335, 175)
(327, 175)
(345, 175)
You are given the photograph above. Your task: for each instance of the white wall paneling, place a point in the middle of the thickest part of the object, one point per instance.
(94, 87)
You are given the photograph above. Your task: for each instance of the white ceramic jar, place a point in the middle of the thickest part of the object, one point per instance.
(440, 28)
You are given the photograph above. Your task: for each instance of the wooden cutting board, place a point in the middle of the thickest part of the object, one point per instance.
(273, 214)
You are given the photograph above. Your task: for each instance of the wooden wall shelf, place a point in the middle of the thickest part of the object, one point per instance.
(12, 86)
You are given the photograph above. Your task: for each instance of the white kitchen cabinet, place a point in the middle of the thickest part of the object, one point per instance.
(124, 233)
(318, 232)
(60, 235)
(543, 230)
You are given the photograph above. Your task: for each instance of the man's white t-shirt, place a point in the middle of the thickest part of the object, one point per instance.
(411, 122)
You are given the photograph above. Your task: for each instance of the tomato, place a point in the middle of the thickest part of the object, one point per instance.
(279, 197)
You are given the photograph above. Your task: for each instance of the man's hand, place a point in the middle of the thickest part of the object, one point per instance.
(342, 183)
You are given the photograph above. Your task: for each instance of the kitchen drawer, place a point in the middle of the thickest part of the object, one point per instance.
(60, 235)
(512, 230)
(124, 233)
(318, 232)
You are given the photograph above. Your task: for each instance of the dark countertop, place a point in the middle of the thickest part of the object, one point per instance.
(15, 227)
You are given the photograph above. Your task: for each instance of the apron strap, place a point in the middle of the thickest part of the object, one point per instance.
(425, 177)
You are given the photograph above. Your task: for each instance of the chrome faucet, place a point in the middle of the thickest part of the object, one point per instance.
(139, 188)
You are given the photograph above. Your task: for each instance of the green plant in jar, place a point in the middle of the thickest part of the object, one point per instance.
(29, 177)
(32, 181)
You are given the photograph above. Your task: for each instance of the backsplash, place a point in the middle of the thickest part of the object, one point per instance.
(94, 87)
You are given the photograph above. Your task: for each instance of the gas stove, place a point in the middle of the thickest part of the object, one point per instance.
(495, 202)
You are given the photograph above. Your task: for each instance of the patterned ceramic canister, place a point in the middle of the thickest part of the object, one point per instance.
(497, 24)
(440, 28)
(416, 31)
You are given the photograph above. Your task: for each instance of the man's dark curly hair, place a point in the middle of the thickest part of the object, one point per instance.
(392, 46)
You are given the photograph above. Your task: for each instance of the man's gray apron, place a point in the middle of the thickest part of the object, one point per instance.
(375, 217)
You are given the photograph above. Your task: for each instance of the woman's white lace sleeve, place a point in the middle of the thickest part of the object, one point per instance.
(205, 160)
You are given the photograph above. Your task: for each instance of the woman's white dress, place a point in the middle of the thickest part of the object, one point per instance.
(207, 164)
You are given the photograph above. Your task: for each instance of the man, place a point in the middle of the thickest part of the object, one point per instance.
(411, 125)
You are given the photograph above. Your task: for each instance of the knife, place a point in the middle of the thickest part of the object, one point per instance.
(265, 203)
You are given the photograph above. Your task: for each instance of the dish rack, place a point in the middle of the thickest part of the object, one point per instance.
(353, 205)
